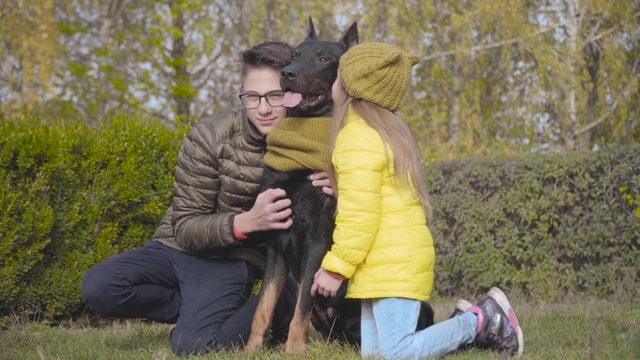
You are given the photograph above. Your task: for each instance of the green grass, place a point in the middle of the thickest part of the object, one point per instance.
(574, 328)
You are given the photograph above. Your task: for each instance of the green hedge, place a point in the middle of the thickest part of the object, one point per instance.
(73, 196)
(547, 224)
(541, 223)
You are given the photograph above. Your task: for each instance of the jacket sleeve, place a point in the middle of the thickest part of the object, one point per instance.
(359, 160)
(198, 225)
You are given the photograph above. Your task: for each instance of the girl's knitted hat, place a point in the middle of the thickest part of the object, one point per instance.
(377, 72)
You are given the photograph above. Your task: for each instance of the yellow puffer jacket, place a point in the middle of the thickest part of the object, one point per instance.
(381, 241)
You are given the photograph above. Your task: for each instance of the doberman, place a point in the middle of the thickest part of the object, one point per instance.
(307, 83)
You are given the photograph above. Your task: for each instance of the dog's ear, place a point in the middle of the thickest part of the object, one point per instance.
(351, 37)
(312, 30)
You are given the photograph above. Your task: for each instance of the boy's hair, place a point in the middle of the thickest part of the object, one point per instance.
(270, 54)
(393, 130)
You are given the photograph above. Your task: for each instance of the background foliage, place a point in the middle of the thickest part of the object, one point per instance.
(71, 197)
(551, 224)
(497, 77)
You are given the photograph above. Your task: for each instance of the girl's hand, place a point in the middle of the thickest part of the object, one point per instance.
(325, 284)
(321, 179)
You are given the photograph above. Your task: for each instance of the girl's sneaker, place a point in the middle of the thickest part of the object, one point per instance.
(498, 327)
(461, 307)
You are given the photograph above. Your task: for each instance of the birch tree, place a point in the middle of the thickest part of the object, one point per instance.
(28, 49)
(496, 76)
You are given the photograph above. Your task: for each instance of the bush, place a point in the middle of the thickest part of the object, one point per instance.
(543, 223)
(72, 197)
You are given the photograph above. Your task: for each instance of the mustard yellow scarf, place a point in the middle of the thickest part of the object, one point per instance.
(299, 143)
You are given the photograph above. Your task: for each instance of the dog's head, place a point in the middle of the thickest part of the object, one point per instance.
(337, 318)
(307, 81)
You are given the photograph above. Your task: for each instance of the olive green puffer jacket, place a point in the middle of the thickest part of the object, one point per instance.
(217, 176)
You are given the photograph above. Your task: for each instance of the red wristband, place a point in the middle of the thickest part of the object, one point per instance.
(335, 275)
(238, 234)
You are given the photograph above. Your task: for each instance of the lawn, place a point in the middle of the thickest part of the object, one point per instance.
(575, 328)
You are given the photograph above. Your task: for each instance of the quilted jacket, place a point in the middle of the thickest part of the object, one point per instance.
(216, 177)
(381, 240)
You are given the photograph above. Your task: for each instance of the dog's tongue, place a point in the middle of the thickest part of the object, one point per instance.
(291, 99)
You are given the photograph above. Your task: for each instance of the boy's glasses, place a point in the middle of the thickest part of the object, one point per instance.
(252, 101)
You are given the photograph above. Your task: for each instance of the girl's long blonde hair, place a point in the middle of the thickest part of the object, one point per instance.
(394, 131)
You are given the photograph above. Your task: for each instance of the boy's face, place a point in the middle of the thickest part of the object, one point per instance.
(261, 81)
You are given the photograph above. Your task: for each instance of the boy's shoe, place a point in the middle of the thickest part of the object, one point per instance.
(498, 327)
(461, 307)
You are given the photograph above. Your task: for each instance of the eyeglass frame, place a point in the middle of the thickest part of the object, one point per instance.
(260, 97)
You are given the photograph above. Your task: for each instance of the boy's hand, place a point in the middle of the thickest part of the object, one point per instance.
(270, 212)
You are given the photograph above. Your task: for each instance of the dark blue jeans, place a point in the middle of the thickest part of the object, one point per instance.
(207, 299)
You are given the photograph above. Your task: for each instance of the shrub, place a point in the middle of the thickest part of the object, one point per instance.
(539, 222)
(72, 197)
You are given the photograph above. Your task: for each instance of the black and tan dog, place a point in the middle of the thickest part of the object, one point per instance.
(295, 149)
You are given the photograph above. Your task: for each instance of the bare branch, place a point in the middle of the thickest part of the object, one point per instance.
(495, 44)
(614, 105)
(598, 36)
(206, 70)
(601, 120)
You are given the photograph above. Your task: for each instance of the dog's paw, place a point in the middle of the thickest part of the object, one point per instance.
(254, 343)
(296, 348)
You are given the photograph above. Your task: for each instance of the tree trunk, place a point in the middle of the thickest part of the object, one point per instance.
(182, 78)
(456, 94)
(571, 30)
(593, 56)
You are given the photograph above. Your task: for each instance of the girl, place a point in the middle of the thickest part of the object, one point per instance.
(381, 241)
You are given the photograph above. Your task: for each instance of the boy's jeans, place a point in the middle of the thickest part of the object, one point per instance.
(207, 299)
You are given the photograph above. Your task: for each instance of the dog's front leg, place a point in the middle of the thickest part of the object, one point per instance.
(299, 327)
(275, 276)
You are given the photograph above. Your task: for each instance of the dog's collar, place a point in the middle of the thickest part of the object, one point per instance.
(299, 143)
